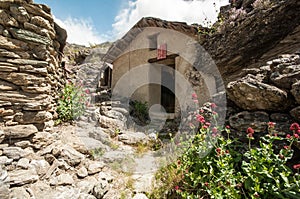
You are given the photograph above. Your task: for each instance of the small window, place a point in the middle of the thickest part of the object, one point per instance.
(152, 41)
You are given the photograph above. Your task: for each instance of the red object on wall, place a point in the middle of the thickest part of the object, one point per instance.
(162, 51)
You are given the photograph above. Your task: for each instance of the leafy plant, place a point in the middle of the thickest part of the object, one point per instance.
(72, 102)
(213, 165)
(139, 110)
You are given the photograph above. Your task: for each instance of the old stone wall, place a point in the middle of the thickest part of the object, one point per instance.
(31, 47)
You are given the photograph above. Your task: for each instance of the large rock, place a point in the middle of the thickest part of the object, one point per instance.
(14, 152)
(100, 189)
(19, 193)
(256, 120)
(95, 167)
(250, 93)
(70, 155)
(4, 186)
(285, 71)
(20, 131)
(107, 122)
(29, 117)
(7, 20)
(62, 179)
(21, 177)
(133, 138)
(295, 113)
(296, 91)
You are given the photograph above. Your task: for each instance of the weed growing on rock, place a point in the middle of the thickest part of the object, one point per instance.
(72, 102)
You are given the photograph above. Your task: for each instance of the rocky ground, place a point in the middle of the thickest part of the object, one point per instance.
(80, 160)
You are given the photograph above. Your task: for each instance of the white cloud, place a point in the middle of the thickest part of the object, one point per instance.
(190, 11)
(81, 31)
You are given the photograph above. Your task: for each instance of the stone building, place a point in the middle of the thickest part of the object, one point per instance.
(161, 62)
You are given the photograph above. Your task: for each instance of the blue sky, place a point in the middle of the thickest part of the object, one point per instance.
(96, 21)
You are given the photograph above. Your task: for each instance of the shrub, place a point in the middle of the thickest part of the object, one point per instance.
(72, 102)
(139, 111)
(213, 165)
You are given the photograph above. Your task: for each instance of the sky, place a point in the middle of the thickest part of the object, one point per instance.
(92, 22)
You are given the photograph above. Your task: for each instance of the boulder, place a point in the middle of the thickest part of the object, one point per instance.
(4, 186)
(14, 152)
(20, 131)
(19, 193)
(107, 122)
(41, 166)
(285, 71)
(133, 138)
(296, 91)
(257, 120)
(21, 177)
(62, 179)
(95, 167)
(70, 155)
(82, 172)
(250, 93)
(27, 117)
(100, 189)
(295, 113)
(23, 163)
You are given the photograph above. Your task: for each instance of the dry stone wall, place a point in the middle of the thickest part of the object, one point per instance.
(31, 46)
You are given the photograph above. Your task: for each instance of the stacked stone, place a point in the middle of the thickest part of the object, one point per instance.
(30, 53)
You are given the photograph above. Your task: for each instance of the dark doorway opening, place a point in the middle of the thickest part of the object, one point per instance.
(167, 99)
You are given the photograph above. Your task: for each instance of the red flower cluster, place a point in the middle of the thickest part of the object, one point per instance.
(200, 118)
(250, 132)
(294, 127)
(296, 130)
(194, 96)
(296, 166)
(271, 124)
(213, 105)
(87, 91)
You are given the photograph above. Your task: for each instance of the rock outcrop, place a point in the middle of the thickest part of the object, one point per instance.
(269, 93)
(31, 46)
(250, 33)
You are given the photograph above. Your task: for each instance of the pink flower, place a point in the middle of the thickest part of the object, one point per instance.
(218, 150)
(228, 127)
(214, 113)
(204, 127)
(207, 124)
(294, 127)
(296, 166)
(176, 187)
(200, 118)
(214, 130)
(206, 184)
(87, 91)
(271, 124)
(250, 130)
(286, 147)
(288, 136)
(194, 96)
(213, 105)
(196, 101)
(296, 136)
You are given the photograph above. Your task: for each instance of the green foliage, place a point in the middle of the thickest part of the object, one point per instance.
(139, 110)
(215, 166)
(72, 102)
